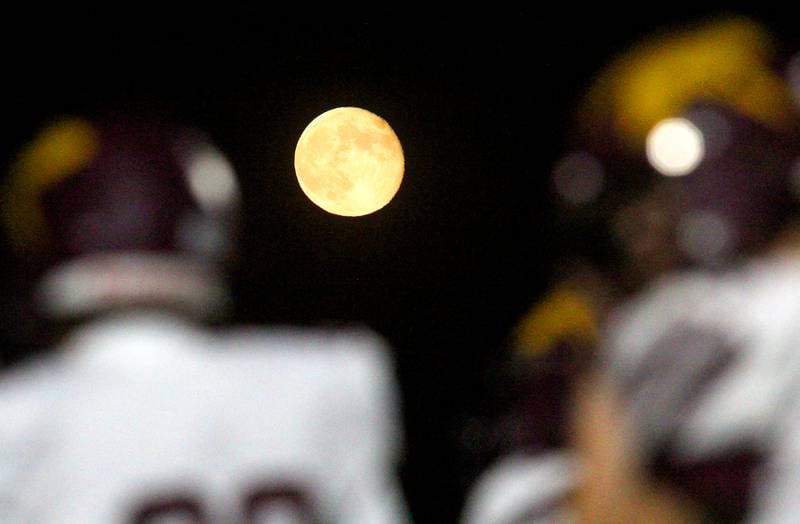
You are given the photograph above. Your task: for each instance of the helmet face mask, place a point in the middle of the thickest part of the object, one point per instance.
(643, 229)
(122, 211)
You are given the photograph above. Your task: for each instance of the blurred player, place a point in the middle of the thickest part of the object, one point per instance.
(535, 472)
(140, 414)
(734, 201)
(551, 344)
(693, 414)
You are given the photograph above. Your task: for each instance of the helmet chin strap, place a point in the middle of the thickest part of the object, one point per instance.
(100, 282)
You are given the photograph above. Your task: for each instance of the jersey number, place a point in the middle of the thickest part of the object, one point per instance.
(282, 504)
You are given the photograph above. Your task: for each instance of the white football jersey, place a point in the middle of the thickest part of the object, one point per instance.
(148, 418)
(522, 489)
(709, 365)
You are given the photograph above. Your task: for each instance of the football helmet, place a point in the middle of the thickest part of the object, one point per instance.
(703, 117)
(121, 210)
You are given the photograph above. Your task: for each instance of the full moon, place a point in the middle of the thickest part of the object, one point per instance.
(349, 162)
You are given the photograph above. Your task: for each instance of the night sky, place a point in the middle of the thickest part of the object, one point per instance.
(481, 107)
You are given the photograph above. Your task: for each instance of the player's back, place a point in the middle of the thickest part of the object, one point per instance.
(143, 417)
(709, 367)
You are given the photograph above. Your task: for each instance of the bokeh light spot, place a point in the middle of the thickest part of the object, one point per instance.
(578, 178)
(675, 147)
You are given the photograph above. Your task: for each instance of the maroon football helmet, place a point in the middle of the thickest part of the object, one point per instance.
(742, 191)
(119, 211)
(689, 144)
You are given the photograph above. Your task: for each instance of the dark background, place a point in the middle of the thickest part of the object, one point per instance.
(481, 107)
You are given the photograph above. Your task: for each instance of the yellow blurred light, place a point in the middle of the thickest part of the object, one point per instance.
(675, 147)
(58, 152)
(564, 315)
(725, 61)
(349, 162)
